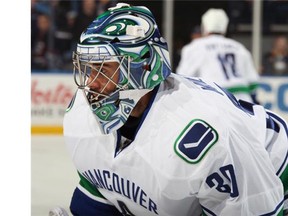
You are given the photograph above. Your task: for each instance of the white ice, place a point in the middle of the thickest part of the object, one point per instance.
(53, 176)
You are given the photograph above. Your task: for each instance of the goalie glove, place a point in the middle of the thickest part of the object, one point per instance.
(58, 211)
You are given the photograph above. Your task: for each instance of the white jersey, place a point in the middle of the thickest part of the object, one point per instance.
(221, 60)
(196, 151)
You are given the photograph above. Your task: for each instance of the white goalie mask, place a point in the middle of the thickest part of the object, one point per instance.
(121, 56)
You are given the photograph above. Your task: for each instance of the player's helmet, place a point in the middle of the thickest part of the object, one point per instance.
(129, 36)
(214, 21)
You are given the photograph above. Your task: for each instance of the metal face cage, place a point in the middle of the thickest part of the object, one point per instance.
(91, 68)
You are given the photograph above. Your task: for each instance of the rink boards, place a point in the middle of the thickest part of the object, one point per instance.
(51, 94)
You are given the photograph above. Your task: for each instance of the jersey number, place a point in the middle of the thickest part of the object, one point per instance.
(228, 64)
(218, 181)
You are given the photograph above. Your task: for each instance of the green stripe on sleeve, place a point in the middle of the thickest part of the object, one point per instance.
(253, 86)
(284, 179)
(243, 89)
(89, 187)
(239, 89)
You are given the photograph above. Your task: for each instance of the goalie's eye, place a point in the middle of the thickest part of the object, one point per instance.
(100, 68)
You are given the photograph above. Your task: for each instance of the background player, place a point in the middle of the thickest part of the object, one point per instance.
(220, 59)
(147, 142)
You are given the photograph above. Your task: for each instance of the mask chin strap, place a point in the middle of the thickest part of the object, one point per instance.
(133, 94)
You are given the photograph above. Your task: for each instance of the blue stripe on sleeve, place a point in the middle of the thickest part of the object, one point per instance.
(81, 205)
(280, 120)
(282, 165)
(208, 211)
(270, 123)
(278, 207)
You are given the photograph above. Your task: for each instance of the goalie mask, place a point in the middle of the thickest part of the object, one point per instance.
(121, 56)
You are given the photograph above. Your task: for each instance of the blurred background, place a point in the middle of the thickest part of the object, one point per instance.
(260, 25)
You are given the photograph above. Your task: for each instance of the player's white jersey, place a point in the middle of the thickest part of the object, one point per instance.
(196, 150)
(222, 60)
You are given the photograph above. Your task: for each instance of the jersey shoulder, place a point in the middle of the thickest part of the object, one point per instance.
(79, 121)
(197, 43)
(187, 121)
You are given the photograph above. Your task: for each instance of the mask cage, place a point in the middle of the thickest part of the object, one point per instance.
(84, 64)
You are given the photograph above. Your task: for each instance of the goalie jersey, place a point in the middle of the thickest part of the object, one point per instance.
(196, 151)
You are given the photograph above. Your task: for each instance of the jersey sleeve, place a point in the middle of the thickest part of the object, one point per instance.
(191, 60)
(87, 200)
(277, 147)
(240, 180)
